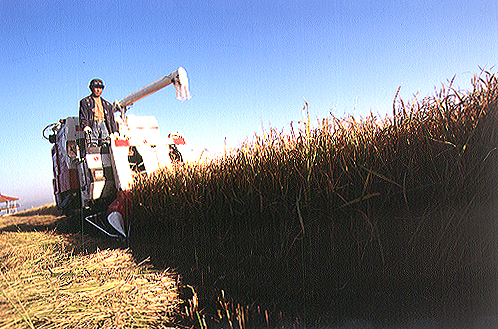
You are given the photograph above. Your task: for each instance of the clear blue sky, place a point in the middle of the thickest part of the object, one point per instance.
(250, 63)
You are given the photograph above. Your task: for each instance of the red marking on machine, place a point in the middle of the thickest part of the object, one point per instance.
(122, 142)
(178, 140)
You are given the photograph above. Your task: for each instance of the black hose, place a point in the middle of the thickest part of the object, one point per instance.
(51, 126)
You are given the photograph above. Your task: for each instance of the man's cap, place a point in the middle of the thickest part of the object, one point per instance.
(96, 83)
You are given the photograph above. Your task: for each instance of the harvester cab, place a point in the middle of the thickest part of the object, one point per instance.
(93, 177)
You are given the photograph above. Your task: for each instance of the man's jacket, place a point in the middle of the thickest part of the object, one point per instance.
(87, 114)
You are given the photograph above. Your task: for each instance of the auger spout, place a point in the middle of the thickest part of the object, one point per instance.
(178, 78)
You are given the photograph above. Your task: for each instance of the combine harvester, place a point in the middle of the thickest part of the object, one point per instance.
(92, 178)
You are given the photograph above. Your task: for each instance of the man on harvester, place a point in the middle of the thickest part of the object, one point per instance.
(96, 114)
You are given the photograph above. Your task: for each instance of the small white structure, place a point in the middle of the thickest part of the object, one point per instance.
(8, 205)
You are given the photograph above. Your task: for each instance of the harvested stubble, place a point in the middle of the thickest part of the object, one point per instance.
(354, 218)
(41, 217)
(44, 285)
(46, 210)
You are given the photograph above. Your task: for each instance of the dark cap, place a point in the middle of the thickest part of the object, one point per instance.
(96, 83)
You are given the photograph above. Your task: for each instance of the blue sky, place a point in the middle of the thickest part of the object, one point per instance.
(250, 64)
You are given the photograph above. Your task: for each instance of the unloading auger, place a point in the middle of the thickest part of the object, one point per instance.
(94, 181)
(178, 78)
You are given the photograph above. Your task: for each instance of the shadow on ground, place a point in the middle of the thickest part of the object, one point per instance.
(83, 237)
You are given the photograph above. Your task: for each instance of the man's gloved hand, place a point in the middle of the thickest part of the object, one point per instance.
(87, 130)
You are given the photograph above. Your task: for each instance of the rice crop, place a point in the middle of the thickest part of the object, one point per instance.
(45, 284)
(355, 216)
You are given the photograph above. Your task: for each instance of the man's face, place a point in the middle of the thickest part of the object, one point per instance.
(97, 91)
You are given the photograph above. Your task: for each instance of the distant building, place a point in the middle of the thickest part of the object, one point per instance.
(8, 205)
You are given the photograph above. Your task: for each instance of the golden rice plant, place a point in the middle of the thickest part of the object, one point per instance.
(354, 207)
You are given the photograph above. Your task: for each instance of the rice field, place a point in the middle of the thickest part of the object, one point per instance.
(372, 218)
